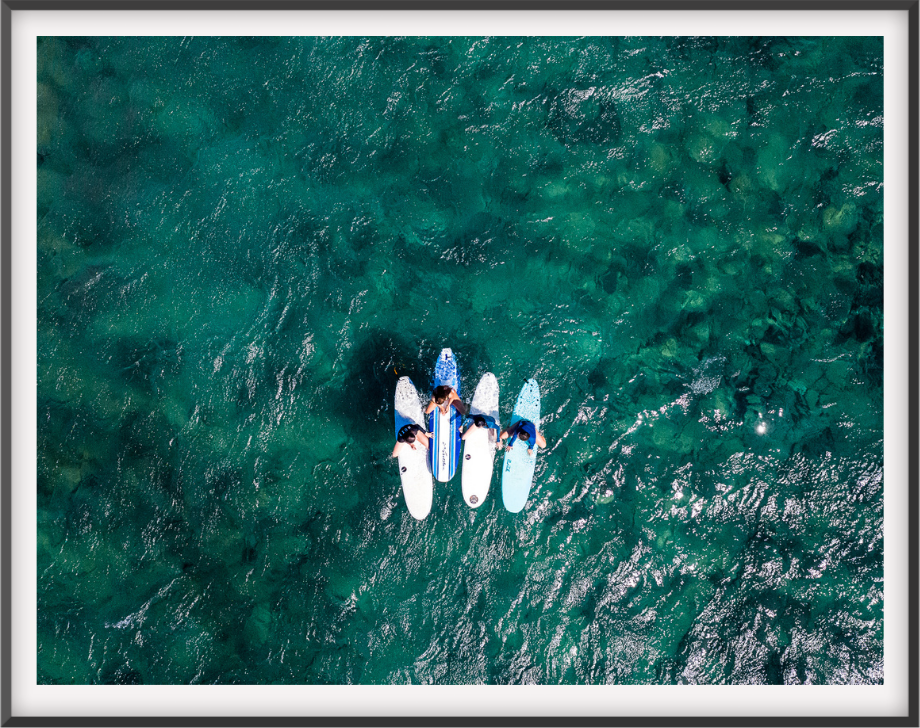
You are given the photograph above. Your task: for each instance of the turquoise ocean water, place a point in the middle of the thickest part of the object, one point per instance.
(244, 243)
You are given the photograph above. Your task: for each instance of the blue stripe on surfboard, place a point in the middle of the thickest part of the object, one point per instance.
(453, 442)
(437, 443)
(432, 445)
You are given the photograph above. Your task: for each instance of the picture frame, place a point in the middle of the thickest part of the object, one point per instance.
(21, 20)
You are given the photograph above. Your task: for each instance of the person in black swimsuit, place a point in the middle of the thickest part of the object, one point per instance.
(479, 421)
(409, 435)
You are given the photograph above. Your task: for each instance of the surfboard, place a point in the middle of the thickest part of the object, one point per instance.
(445, 452)
(414, 472)
(479, 445)
(518, 468)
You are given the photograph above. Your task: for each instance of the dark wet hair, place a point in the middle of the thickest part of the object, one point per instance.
(440, 393)
(408, 436)
(479, 420)
(524, 435)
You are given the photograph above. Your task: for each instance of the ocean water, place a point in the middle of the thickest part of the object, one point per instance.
(244, 243)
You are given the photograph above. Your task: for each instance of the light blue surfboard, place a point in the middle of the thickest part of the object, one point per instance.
(445, 451)
(517, 472)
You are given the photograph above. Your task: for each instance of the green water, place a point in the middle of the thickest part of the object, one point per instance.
(243, 243)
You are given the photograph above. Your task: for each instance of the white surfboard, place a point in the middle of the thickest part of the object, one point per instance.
(479, 445)
(417, 485)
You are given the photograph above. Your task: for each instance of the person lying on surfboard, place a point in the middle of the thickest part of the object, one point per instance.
(407, 435)
(443, 397)
(479, 421)
(527, 433)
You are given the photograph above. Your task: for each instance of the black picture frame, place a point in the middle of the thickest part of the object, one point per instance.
(9, 8)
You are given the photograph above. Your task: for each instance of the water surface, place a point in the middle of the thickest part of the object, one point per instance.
(244, 243)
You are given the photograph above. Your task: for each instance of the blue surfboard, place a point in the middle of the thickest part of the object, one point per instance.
(444, 454)
(518, 469)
